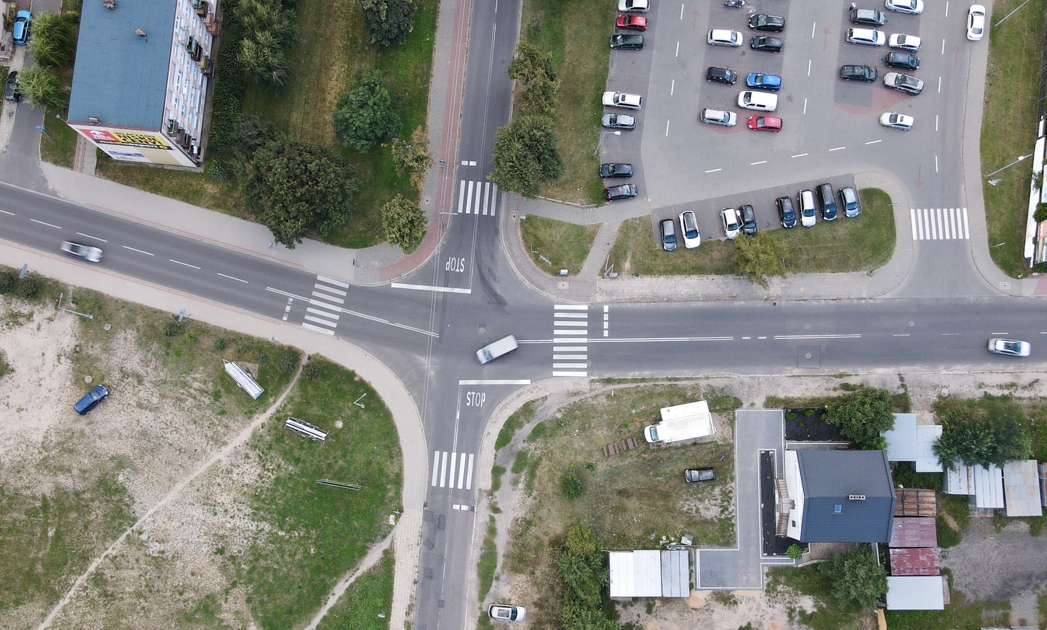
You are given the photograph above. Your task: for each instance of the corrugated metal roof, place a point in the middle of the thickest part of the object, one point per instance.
(848, 496)
(986, 484)
(650, 573)
(915, 502)
(901, 440)
(915, 561)
(926, 459)
(676, 573)
(914, 532)
(120, 77)
(915, 593)
(1021, 486)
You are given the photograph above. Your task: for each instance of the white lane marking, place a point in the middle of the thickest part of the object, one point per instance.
(572, 315)
(659, 339)
(571, 332)
(571, 323)
(461, 470)
(334, 307)
(936, 122)
(560, 373)
(317, 329)
(443, 468)
(839, 336)
(423, 287)
(667, 129)
(324, 296)
(936, 164)
(328, 289)
(569, 357)
(757, 163)
(316, 311)
(681, 10)
(571, 307)
(454, 463)
(800, 155)
(8, 213)
(678, 42)
(233, 278)
(47, 224)
(89, 236)
(569, 366)
(966, 232)
(178, 262)
(469, 479)
(874, 142)
(357, 314)
(809, 61)
(334, 282)
(494, 382)
(325, 322)
(672, 87)
(138, 250)
(837, 149)
(805, 106)
(714, 170)
(569, 348)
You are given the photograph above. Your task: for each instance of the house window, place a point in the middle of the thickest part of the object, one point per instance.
(793, 523)
(838, 509)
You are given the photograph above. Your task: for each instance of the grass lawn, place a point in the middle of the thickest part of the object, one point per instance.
(191, 187)
(861, 244)
(369, 596)
(565, 245)
(58, 147)
(1012, 86)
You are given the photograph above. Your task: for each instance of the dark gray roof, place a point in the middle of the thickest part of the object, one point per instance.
(829, 480)
(120, 77)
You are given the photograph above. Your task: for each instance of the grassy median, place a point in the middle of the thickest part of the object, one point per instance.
(563, 245)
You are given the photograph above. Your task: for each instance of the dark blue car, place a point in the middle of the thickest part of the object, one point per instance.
(762, 81)
(91, 399)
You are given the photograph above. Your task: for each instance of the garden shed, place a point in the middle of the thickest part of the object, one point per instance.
(650, 573)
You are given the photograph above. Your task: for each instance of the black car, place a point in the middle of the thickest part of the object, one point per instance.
(905, 61)
(91, 399)
(748, 220)
(766, 44)
(11, 92)
(721, 75)
(764, 22)
(627, 41)
(785, 212)
(625, 191)
(868, 17)
(616, 170)
(827, 201)
(858, 73)
(694, 475)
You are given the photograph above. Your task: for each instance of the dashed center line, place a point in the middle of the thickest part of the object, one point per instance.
(91, 237)
(837, 149)
(47, 224)
(233, 278)
(178, 262)
(139, 251)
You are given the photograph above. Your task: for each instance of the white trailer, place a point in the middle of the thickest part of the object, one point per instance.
(681, 422)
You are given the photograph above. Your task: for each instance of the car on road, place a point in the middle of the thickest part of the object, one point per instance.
(618, 121)
(731, 220)
(975, 22)
(91, 399)
(689, 229)
(625, 191)
(1010, 347)
(905, 61)
(808, 213)
(868, 17)
(622, 99)
(786, 214)
(11, 92)
(626, 41)
(668, 229)
(762, 81)
(903, 83)
(87, 252)
(912, 7)
(905, 42)
(631, 22)
(23, 24)
(827, 200)
(894, 120)
(748, 220)
(764, 22)
(721, 75)
(616, 170)
(766, 44)
(507, 612)
(849, 201)
(765, 123)
(758, 100)
(634, 6)
(725, 37)
(858, 73)
(696, 475)
(718, 117)
(866, 37)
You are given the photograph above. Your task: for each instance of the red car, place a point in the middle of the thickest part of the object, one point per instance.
(631, 22)
(765, 123)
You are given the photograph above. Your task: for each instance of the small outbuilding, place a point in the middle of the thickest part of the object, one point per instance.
(986, 484)
(1021, 488)
(911, 442)
(650, 573)
(924, 592)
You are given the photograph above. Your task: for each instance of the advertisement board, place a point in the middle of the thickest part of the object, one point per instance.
(135, 146)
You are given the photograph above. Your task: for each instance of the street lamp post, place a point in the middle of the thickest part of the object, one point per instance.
(1020, 158)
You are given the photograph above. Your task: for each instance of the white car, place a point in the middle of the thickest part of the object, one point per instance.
(895, 120)
(866, 36)
(903, 83)
(689, 226)
(88, 253)
(718, 117)
(731, 220)
(622, 99)
(725, 37)
(761, 101)
(905, 42)
(975, 22)
(1012, 347)
(634, 6)
(507, 612)
(912, 7)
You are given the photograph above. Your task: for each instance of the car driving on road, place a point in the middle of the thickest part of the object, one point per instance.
(1010, 347)
(87, 252)
(895, 120)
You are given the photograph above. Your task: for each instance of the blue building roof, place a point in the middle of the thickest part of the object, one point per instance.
(848, 496)
(121, 77)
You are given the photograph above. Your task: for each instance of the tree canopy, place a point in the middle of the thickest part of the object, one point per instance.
(584, 576)
(404, 223)
(388, 21)
(295, 188)
(364, 116)
(759, 257)
(268, 30)
(41, 88)
(857, 579)
(981, 432)
(526, 156)
(862, 416)
(535, 79)
(52, 44)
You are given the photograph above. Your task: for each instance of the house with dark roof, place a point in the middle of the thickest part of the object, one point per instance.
(836, 496)
(141, 78)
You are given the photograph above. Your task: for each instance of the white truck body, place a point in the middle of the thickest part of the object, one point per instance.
(681, 422)
(495, 349)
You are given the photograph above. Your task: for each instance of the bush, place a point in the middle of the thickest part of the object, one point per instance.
(287, 361)
(1041, 212)
(572, 486)
(313, 371)
(219, 344)
(172, 328)
(29, 286)
(7, 281)
(404, 223)
(218, 171)
(794, 551)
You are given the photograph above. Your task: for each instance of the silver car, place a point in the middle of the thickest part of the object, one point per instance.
(718, 117)
(87, 252)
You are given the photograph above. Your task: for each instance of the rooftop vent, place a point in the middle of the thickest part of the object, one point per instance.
(141, 32)
(109, 4)
(856, 497)
(94, 120)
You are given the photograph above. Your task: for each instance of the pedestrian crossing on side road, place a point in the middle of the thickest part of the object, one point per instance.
(452, 470)
(325, 305)
(939, 224)
(477, 198)
(570, 335)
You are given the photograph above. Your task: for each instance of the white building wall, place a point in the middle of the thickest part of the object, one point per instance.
(791, 467)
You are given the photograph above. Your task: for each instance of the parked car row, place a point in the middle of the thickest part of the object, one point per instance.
(750, 99)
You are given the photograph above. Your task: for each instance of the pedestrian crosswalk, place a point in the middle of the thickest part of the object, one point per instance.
(452, 470)
(570, 340)
(938, 224)
(325, 305)
(477, 198)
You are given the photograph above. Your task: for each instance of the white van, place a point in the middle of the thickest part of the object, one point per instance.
(495, 349)
(758, 100)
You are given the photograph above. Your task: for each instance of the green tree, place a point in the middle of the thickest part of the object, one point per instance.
(526, 156)
(404, 223)
(412, 158)
(535, 79)
(759, 257)
(40, 88)
(388, 21)
(295, 188)
(52, 44)
(364, 116)
(856, 578)
(988, 431)
(862, 416)
(263, 60)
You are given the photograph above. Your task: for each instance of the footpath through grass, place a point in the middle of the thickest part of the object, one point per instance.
(564, 245)
(369, 596)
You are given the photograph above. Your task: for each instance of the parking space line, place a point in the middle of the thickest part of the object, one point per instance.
(800, 155)
(874, 142)
(757, 163)
(805, 105)
(939, 85)
(672, 87)
(714, 170)
(837, 149)
(936, 122)
(667, 129)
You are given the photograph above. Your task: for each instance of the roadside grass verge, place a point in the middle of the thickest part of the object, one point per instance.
(844, 245)
(488, 563)
(316, 533)
(58, 146)
(565, 245)
(194, 188)
(1011, 85)
(517, 421)
(369, 596)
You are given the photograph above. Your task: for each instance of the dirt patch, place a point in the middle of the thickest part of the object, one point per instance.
(996, 565)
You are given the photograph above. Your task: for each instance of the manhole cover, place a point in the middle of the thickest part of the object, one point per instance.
(809, 357)
(88, 379)
(107, 327)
